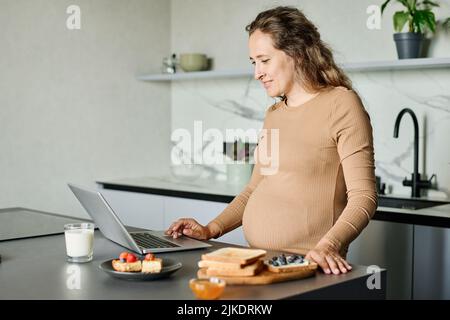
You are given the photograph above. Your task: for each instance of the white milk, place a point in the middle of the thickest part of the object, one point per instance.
(79, 242)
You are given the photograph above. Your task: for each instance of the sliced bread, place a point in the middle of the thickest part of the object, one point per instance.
(240, 256)
(219, 265)
(248, 270)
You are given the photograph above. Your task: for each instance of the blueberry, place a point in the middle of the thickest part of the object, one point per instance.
(274, 258)
(275, 263)
(270, 262)
(299, 260)
(290, 259)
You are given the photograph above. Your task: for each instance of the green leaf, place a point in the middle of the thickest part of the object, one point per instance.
(446, 23)
(411, 4)
(418, 21)
(423, 20)
(430, 21)
(400, 18)
(430, 3)
(405, 3)
(383, 6)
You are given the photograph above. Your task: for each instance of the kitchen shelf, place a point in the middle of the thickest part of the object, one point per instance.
(404, 64)
(197, 75)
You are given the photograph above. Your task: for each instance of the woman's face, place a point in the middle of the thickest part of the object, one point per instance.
(274, 68)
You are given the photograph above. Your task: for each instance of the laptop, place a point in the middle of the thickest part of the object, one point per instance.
(113, 229)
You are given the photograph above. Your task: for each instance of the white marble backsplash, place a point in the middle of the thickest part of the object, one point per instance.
(241, 103)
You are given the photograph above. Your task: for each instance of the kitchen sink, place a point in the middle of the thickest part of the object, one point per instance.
(405, 203)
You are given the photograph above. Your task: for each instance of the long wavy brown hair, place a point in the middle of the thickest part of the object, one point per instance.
(294, 34)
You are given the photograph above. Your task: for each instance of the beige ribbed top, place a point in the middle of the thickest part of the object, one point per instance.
(324, 183)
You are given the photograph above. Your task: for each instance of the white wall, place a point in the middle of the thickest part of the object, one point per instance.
(217, 29)
(71, 109)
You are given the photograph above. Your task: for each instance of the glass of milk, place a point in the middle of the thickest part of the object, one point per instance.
(79, 242)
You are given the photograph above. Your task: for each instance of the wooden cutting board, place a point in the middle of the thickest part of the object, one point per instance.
(264, 277)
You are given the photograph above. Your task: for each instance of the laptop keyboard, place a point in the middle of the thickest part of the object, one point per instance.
(146, 240)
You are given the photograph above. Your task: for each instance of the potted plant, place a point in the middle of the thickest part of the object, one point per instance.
(419, 18)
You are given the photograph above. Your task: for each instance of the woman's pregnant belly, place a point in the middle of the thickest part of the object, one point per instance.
(273, 219)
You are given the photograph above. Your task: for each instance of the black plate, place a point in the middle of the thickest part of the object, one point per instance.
(169, 266)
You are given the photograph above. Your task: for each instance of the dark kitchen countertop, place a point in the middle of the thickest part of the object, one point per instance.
(221, 191)
(35, 268)
(16, 223)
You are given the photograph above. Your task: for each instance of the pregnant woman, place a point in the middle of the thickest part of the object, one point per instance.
(323, 191)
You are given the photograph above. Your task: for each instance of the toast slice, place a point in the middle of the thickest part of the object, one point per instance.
(247, 271)
(127, 266)
(219, 265)
(235, 255)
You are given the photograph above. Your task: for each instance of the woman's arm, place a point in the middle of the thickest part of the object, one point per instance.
(352, 132)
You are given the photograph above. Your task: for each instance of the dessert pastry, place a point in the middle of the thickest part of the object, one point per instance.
(151, 264)
(127, 263)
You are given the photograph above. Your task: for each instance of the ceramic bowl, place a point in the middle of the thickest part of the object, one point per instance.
(193, 62)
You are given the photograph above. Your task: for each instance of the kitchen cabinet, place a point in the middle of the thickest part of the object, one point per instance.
(417, 258)
(387, 245)
(157, 212)
(431, 269)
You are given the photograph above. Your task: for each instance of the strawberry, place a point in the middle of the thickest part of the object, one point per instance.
(149, 257)
(131, 258)
(123, 256)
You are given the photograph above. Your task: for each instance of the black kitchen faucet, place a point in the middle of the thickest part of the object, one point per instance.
(415, 181)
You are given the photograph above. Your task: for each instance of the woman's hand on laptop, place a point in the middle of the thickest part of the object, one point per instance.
(191, 228)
